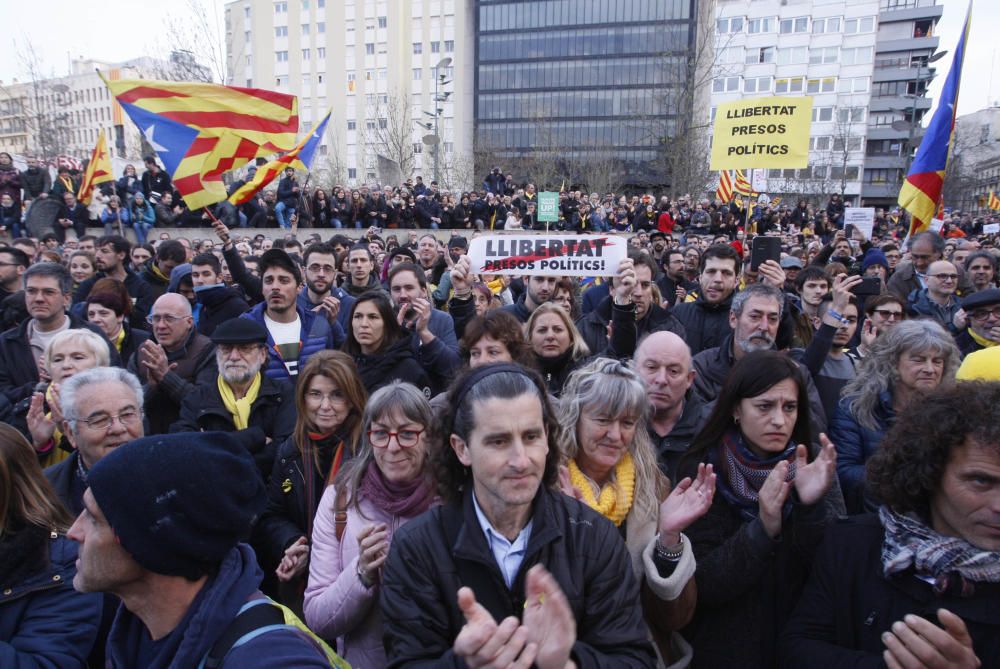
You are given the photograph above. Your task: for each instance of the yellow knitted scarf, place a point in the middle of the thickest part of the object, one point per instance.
(240, 409)
(982, 341)
(120, 339)
(615, 499)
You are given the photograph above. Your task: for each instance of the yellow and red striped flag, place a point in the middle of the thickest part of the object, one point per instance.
(725, 190)
(994, 201)
(299, 158)
(200, 130)
(742, 186)
(98, 171)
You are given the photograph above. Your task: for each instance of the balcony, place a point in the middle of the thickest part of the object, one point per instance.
(899, 102)
(890, 12)
(885, 162)
(906, 44)
(886, 190)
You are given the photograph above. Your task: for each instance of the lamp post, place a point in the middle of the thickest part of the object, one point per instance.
(434, 140)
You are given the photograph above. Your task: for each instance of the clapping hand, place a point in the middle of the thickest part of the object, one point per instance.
(548, 619)
(295, 560)
(687, 502)
(813, 479)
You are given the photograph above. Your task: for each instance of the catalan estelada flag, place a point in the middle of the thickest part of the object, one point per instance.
(742, 185)
(299, 158)
(200, 130)
(725, 190)
(921, 191)
(98, 171)
(994, 203)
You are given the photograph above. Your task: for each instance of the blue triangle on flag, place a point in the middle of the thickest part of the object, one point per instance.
(170, 139)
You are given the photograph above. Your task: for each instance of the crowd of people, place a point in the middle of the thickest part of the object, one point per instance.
(351, 450)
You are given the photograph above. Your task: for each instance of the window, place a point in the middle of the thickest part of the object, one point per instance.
(757, 85)
(854, 85)
(305, 54)
(320, 4)
(305, 29)
(418, 48)
(352, 125)
(281, 81)
(764, 25)
(249, 61)
(383, 21)
(823, 56)
(370, 48)
(352, 173)
(281, 8)
(281, 56)
(321, 52)
(825, 85)
(797, 55)
(865, 24)
(383, 74)
(417, 74)
(761, 55)
(418, 147)
(851, 143)
(730, 25)
(796, 25)
(246, 12)
(383, 123)
(789, 85)
(858, 56)
(821, 143)
(281, 31)
(726, 85)
(435, 47)
(449, 45)
(827, 25)
(246, 36)
(852, 115)
(320, 28)
(822, 114)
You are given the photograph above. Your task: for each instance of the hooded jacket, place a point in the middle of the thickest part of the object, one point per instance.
(211, 612)
(315, 334)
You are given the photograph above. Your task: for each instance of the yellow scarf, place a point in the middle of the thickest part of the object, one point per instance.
(982, 341)
(239, 408)
(615, 499)
(495, 286)
(158, 273)
(120, 339)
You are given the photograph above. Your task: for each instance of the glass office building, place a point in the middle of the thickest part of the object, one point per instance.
(581, 77)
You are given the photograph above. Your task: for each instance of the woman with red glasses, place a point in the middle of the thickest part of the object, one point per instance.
(381, 489)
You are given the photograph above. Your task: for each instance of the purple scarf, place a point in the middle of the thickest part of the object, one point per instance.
(407, 499)
(742, 473)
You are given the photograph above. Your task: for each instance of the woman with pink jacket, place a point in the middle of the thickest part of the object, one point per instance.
(382, 488)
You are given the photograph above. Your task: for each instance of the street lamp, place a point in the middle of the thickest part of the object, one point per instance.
(434, 140)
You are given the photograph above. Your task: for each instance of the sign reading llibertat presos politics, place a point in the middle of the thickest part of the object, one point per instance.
(762, 132)
(547, 255)
(548, 207)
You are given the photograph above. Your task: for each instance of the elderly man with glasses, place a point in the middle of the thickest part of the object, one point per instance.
(981, 315)
(170, 364)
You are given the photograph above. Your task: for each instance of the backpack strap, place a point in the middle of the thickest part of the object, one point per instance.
(254, 615)
(340, 512)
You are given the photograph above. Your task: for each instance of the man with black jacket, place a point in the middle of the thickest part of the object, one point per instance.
(155, 182)
(288, 198)
(215, 301)
(215, 403)
(112, 253)
(46, 290)
(705, 316)
(156, 272)
(36, 180)
(509, 567)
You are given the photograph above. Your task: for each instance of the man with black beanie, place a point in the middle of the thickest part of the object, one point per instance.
(162, 529)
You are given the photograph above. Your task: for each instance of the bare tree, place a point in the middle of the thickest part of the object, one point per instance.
(332, 169)
(194, 36)
(389, 132)
(601, 171)
(42, 100)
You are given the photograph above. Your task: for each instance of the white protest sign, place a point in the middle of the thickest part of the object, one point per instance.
(547, 255)
(991, 228)
(935, 225)
(862, 218)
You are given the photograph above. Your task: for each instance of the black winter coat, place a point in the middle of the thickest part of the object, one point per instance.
(18, 372)
(218, 305)
(626, 331)
(847, 604)
(435, 554)
(747, 582)
(705, 325)
(395, 362)
(272, 418)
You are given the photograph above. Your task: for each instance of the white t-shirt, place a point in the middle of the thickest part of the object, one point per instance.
(286, 341)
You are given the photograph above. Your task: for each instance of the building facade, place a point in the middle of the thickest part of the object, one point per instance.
(396, 73)
(974, 165)
(566, 84)
(903, 71)
(62, 116)
(818, 48)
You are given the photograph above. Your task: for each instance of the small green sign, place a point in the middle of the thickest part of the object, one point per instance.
(548, 207)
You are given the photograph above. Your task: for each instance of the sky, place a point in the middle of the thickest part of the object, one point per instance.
(116, 30)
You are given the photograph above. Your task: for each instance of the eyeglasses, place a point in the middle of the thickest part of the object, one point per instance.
(127, 418)
(315, 269)
(888, 314)
(152, 319)
(945, 277)
(405, 438)
(985, 314)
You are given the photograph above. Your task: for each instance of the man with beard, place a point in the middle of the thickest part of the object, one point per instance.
(36, 180)
(672, 282)
(706, 316)
(321, 293)
(241, 399)
(111, 256)
(754, 318)
(294, 334)
(538, 291)
(361, 278)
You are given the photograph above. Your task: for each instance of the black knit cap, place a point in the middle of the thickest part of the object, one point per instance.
(179, 502)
